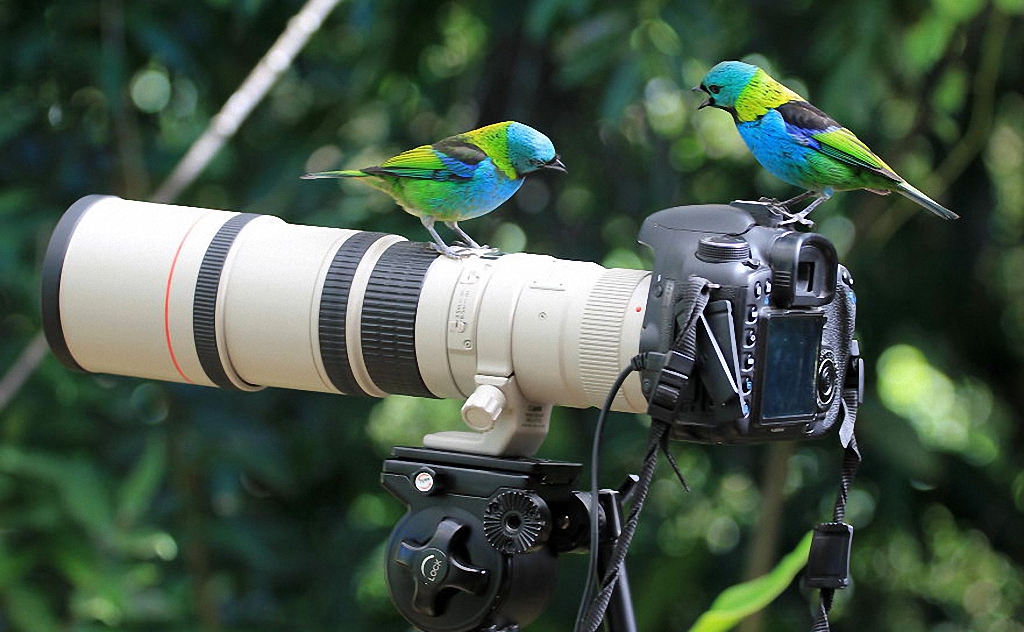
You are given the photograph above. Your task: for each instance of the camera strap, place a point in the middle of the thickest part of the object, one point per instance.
(673, 388)
(828, 563)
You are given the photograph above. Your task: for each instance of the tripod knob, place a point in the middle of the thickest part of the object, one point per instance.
(484, 406)
(517, 521)
(435, 567)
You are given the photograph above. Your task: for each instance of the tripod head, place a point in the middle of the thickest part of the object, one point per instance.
(478, 547)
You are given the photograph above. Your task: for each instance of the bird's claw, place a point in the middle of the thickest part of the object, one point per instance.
(797, 219)
(473, 246)
(779, 209)
(452, 252)
(458, 250)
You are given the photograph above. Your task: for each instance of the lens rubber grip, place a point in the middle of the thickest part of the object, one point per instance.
(332, 328)
(204, 306)
(389, 318)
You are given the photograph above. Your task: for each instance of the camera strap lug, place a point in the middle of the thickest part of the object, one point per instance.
(853, 393)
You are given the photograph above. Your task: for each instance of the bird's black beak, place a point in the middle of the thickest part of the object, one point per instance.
(556, 164)
(708, 101)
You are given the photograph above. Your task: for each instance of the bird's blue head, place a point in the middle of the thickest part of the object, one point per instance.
(529, 150)
(725, 82)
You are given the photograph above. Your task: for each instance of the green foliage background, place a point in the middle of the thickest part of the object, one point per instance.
(130, 505)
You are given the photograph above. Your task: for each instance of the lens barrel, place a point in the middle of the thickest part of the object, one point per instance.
(243, 301)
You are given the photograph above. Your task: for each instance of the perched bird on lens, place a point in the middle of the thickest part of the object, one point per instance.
(798, 143)
(461, 177)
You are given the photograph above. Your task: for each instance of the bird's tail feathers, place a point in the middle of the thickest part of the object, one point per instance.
(348, 173)
(911, 193)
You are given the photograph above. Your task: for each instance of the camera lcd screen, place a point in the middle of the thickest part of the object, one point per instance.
(789, 365)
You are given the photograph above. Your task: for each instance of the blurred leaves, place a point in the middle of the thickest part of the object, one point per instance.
(953, 568)
(946, 416)
(107, 561)
(76, 484)
(742, 600)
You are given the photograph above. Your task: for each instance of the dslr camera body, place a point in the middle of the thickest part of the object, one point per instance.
(774, 345)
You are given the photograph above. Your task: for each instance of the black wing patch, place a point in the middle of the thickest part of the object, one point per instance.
(463, 151)
(805, 116)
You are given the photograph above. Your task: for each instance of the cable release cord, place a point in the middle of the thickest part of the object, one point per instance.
(591, 612)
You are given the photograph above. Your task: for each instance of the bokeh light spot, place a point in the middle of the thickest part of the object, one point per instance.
(151, 90)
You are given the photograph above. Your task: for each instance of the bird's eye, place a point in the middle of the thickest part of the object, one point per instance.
(715, 89)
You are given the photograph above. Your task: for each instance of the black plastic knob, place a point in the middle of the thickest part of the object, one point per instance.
(516, 522)
(435, 568)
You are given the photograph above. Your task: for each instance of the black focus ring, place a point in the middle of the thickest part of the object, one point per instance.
(333, 308)
(389, 318)
(204, 303)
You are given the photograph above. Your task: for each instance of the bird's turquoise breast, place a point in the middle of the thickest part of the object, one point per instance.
(458, 200)
(777, 150)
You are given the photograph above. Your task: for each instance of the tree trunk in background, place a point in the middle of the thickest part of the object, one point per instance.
(765, 543)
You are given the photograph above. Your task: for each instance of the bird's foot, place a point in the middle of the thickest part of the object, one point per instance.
(801, 217)
(476, 248)
(797, 218)
(779, 208)
(453, 252)
(466, 239)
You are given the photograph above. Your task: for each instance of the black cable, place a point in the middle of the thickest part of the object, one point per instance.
(636, 364)
(595, 614)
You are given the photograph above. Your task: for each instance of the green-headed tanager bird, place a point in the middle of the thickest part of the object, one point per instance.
(461, 177)
(798, 143)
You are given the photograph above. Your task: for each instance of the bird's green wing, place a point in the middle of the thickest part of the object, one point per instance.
(812, 127)
(419, 162)
(454, 161)
(844, 146)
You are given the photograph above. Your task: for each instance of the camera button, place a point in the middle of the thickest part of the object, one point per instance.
(748, 361)
(750, 338)
(747, 385)
(757, 290)
(752, 314)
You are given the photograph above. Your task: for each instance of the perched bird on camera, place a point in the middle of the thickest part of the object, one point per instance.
(798, 143)
(461, 177)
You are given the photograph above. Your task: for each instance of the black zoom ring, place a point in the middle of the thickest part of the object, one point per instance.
(204, 304)
(332, 328)
(389, 318)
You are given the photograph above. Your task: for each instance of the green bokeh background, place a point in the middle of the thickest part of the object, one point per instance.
(132, 505)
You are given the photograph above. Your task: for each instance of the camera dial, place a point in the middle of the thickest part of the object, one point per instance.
(828, 380)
